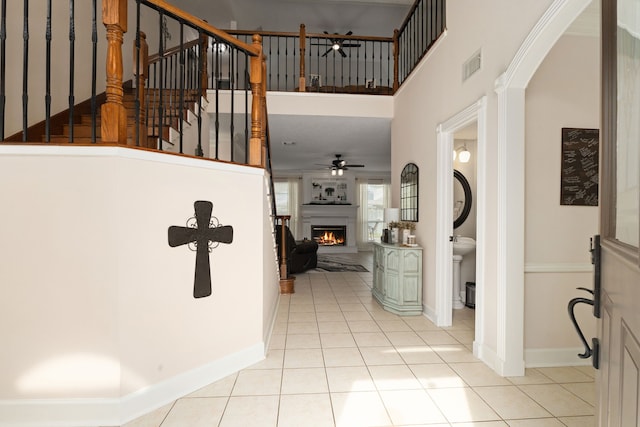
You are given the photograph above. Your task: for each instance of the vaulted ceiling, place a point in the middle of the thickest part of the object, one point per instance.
(363, 17)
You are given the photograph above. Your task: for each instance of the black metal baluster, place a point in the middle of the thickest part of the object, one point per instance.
(246, 108)
(25, 70)
(216, 123)
(232, 87)
(278, 64)
(433, 20)
(47, 95)
(3, 66)
(199, 151)
(443, 15)
(161, 83)
(294, 80)
(72, 66)
(94, 69)
(358, 66)
(136, 77)
(182, 78)
(286, 64)
(389, 84)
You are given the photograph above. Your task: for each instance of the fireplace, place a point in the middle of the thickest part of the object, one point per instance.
(331, 216)
(329, 235)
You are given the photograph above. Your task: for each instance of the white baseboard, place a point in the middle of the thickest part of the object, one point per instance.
(487, 355)
(430, 314)
(118, 411)
(553, 357)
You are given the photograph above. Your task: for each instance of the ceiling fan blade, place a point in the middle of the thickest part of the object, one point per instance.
(344, 55)
(327, 52)
(349, 33)
(355, 166)
(351, 45)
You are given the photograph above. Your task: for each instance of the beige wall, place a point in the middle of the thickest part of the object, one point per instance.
(434, 93)
(564, 92)
(95, 303)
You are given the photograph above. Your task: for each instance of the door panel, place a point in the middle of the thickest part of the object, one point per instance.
(618, 381)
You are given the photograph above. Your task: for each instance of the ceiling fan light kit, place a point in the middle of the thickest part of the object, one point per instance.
(339, 165)
(336, 44)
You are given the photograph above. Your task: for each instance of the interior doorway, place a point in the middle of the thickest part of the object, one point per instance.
(468, 126)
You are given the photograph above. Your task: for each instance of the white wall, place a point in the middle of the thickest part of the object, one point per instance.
(434, 93)
(564, 92)
(95, 302)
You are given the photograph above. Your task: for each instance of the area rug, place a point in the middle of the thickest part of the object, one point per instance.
(336, 264)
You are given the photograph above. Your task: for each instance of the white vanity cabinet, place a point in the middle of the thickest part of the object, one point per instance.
(397, 278)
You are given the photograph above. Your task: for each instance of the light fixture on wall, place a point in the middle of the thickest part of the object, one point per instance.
(464, 156)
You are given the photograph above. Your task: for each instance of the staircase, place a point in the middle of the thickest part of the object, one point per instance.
(172, 113)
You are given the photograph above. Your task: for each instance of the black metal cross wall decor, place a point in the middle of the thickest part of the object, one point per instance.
(203, 233)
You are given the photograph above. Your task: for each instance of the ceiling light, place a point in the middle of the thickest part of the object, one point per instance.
(465, 155)
(340, 171)
(335, 46)
(333, 172)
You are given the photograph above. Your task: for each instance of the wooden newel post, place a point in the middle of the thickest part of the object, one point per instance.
(396, 46)
(141, 82)
(286, 282)
(256, 79)
(303, 46)
(114, 115)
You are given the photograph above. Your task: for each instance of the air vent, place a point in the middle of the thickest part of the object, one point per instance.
(472, 65)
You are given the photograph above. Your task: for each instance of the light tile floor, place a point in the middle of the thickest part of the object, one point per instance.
(336, 358)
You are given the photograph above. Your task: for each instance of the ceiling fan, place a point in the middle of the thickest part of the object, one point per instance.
(337, 43)
(339, 165)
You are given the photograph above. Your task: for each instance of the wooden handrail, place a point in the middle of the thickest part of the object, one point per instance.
(202, 24)
(172, 51)
(309, 35)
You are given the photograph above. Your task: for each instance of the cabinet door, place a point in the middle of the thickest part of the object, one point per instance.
(411, 277)
(378, 269)
(392, 275)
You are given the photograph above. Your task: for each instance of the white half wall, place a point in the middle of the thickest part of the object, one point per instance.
(98, 309)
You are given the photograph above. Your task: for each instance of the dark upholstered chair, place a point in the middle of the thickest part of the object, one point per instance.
(302, 255)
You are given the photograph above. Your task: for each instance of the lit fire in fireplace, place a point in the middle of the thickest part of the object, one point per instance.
(328, 239)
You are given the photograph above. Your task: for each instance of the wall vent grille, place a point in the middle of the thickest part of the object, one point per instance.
(471, 65)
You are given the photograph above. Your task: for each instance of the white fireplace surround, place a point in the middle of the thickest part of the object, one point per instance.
(331, 215)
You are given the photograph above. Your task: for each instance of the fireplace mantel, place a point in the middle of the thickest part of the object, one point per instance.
(331, 214)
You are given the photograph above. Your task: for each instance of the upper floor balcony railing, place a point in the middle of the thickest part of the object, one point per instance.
(341, 63)
(60, 82)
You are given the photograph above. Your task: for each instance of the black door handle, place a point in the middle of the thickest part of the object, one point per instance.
(588, 351)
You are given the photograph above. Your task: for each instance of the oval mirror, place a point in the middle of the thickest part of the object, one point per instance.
(461, 199)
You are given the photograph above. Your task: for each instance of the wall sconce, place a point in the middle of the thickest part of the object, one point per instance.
(464, 156)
